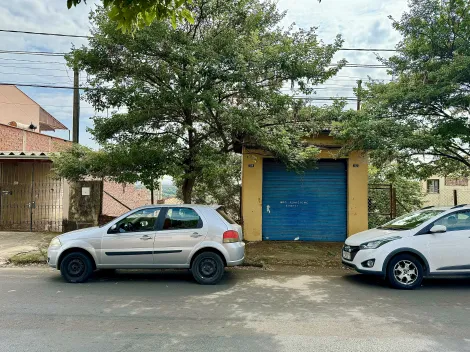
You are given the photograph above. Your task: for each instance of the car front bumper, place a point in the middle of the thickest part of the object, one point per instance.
(363, 255)
(52, 256)
(236, 253)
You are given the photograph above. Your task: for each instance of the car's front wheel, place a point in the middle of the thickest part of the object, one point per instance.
(208, 268)
(76, 267)
(405, 272)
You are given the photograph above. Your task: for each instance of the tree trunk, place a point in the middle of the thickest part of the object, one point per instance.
(187, 190)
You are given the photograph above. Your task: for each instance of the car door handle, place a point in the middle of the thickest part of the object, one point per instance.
(196, 235)
(146, 237)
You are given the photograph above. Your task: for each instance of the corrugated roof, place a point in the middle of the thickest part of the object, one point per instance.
(25, 155)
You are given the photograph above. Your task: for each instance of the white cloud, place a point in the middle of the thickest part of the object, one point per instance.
(362, 23)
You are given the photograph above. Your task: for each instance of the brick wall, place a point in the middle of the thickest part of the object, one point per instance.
(11, 138)
(127, 194)
(16, 139)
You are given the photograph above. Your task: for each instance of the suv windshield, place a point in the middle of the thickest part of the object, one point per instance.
(410, 221)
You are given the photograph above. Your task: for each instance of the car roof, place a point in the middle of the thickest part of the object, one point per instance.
(445, 208)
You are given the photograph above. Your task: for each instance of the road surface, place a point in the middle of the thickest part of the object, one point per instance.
(249, 311)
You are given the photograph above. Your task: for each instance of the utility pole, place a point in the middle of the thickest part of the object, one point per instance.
(76, 106)
(359, 91)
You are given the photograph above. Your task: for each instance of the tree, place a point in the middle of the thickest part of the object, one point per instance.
(420, 120)
(221, 184)
(133, 14)
(195, 95)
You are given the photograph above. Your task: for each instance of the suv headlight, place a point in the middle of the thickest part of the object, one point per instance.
(55, 242)
(378, 243)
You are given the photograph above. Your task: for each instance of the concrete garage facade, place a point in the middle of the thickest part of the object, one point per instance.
(325, 203)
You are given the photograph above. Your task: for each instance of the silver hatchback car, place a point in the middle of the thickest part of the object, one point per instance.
(201, 238)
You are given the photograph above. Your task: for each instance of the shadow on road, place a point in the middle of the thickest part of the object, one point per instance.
(428, 284)
(145, 275)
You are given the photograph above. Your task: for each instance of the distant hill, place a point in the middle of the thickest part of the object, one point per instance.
(168, 191)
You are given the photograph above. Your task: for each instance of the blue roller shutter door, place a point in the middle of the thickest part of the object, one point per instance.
(310, 206)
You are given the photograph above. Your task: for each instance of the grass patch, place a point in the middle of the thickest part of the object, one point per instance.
(38, 256)
(33, 257)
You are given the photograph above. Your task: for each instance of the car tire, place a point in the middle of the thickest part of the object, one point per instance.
(76, 267)
(405, 272)
(208, 268)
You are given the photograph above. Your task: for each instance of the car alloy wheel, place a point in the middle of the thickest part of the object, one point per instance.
(405, 272)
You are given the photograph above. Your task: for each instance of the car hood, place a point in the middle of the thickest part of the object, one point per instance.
(81, 234)
(372, 235)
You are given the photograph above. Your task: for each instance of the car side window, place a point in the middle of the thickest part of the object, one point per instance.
(179, 218)
(140, 221)
(457, 221)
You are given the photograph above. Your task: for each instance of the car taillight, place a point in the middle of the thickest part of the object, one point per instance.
(231, 236)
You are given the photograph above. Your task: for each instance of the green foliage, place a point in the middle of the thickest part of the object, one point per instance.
(194, 95)
(220, 183)
(420, 119)
(134, 14)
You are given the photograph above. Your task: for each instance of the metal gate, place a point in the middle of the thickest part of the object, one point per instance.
(307, 206)
(30, 197)
(382, 204)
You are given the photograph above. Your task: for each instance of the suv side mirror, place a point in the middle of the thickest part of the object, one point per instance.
(438, 229)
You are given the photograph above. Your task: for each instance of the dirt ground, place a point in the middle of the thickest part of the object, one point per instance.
(308, 255)
(24, 247)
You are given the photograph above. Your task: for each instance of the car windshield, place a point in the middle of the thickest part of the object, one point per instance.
(411, 220)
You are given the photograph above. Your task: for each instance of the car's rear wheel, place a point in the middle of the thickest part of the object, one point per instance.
(208, 268)
(405, 272)
(76, 267)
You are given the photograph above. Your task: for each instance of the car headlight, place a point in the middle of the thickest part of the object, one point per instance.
(378, 243)
(55, 242)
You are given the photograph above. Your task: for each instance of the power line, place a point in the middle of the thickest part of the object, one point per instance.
(47, 105)
(88, 37)
(44, 33)
(46, 85)
(31, 68)
(32, 61)
(24, 52)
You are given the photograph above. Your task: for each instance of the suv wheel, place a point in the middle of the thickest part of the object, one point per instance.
(76, 267)
(208, 268)
(405, 272)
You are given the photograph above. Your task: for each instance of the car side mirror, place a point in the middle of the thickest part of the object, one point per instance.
(438, 229)
(113, 229)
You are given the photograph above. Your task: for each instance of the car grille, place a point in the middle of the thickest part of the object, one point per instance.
(351, 249)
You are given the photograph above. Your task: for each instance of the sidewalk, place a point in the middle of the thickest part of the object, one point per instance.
(24, 247)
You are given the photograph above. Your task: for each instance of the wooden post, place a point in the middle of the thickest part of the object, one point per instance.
(455, 198)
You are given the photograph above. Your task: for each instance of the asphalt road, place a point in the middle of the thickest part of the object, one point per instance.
(249, 311)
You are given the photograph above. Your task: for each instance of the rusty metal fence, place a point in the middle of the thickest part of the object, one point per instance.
(30, 197)
(382, 204)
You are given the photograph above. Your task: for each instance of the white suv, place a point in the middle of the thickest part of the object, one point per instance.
(434, 241)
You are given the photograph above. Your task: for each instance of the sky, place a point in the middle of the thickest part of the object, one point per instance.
(362, 24)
